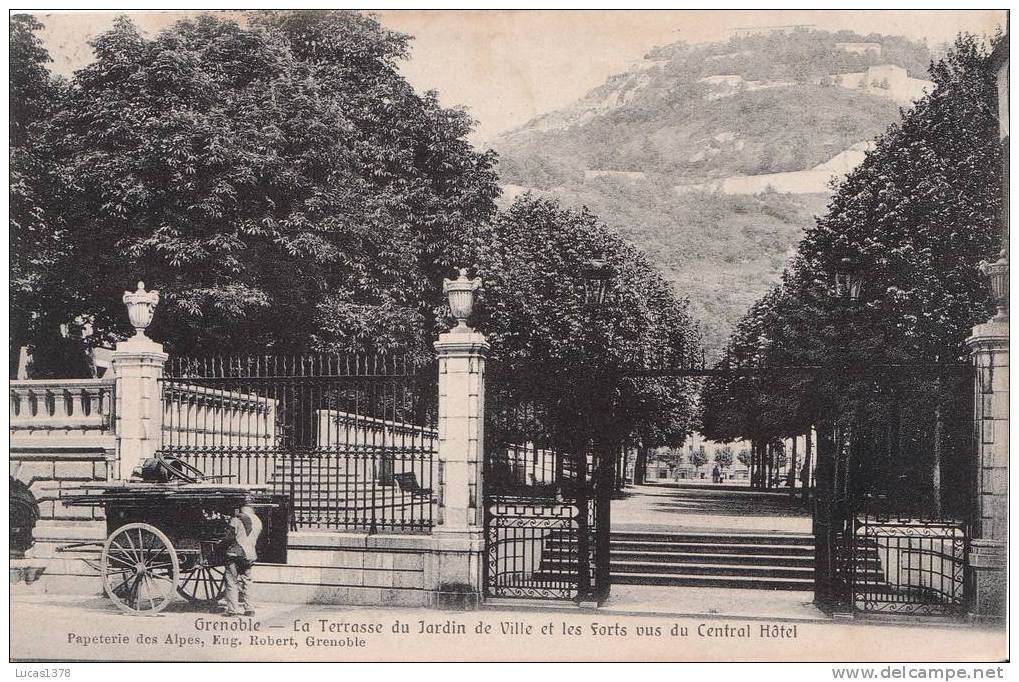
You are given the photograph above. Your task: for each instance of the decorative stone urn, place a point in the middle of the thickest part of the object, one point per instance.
(460, 294)
(997, 272)
(141, 306)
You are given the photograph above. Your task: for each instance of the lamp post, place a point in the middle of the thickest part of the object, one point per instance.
(597, 277)
(832, 513)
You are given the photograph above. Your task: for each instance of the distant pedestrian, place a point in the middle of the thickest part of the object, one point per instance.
(245, 527)
(716, 474)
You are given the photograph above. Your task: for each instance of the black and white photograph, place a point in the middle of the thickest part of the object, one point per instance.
(509, 335)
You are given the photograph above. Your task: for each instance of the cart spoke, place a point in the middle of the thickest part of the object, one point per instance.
(116, 547)
(160, 552)
(123, 562)
(211, 589)
(117, 590)
(218, 577)
(187, 579)
(201, 589)
(210, 586)
(148, 592)
(135, 589)
(134, 554)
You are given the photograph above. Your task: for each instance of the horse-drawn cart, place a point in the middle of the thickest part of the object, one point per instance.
(165, 538)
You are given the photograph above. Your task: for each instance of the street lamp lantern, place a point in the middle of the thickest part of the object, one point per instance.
(460, 294)
(597, 275)
(848, 280)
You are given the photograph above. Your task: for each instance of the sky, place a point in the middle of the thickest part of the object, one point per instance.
(507, 66)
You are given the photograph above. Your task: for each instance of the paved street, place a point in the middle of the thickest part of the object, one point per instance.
(697, 508)
(76, 628)
(714, 602)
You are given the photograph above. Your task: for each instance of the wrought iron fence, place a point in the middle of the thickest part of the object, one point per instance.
(901, 500)
(351, 440)
(910, 565)
(545, 536)
(532, 547)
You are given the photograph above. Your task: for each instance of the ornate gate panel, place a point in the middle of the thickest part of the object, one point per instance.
(531, 548)
(895, 501)
(543, 513)
(909, 566)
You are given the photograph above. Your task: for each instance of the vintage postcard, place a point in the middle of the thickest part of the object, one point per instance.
(510, 335)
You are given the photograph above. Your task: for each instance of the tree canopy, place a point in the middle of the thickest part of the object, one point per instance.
(914, 219)
(552, 351)
(36, 238)
(286, 190)
(279, 182)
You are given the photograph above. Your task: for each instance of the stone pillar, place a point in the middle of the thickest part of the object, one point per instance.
(989, 346)
(137, 366)
(459, 536)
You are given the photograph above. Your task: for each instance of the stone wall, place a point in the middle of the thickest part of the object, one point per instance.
(61, 437)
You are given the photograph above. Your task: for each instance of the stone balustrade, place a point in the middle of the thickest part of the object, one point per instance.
(71, 406)
(345, 429)
(208, 417)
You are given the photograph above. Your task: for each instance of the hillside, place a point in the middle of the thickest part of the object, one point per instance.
(682, 152)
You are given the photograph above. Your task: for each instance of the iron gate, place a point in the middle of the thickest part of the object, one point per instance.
(546, 511)
(911, 566)
(887, 539)
(893, 532)
(351, 440)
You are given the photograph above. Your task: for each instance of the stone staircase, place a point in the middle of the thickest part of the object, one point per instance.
(328, 492)
(768, 561)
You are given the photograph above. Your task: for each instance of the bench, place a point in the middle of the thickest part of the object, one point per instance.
(408, 483)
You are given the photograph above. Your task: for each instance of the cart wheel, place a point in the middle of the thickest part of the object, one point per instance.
(140, 569)
(203, 584)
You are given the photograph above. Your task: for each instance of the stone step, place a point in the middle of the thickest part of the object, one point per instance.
(795, 539)
(713, 558)
(719, 570)
(731, 582)
(712, 548)
(558, 578)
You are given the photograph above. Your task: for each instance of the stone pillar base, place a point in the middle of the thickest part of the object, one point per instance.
(989, 579)
(456, 570)
(137, 365)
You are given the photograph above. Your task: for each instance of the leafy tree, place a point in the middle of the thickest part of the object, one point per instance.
(563, 358)
(917, 216)
(280, 182)
(38, 237)
(723, 457)
(698, 458)
(743, 456)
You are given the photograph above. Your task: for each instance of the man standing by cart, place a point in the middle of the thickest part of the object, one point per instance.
(245, 527)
